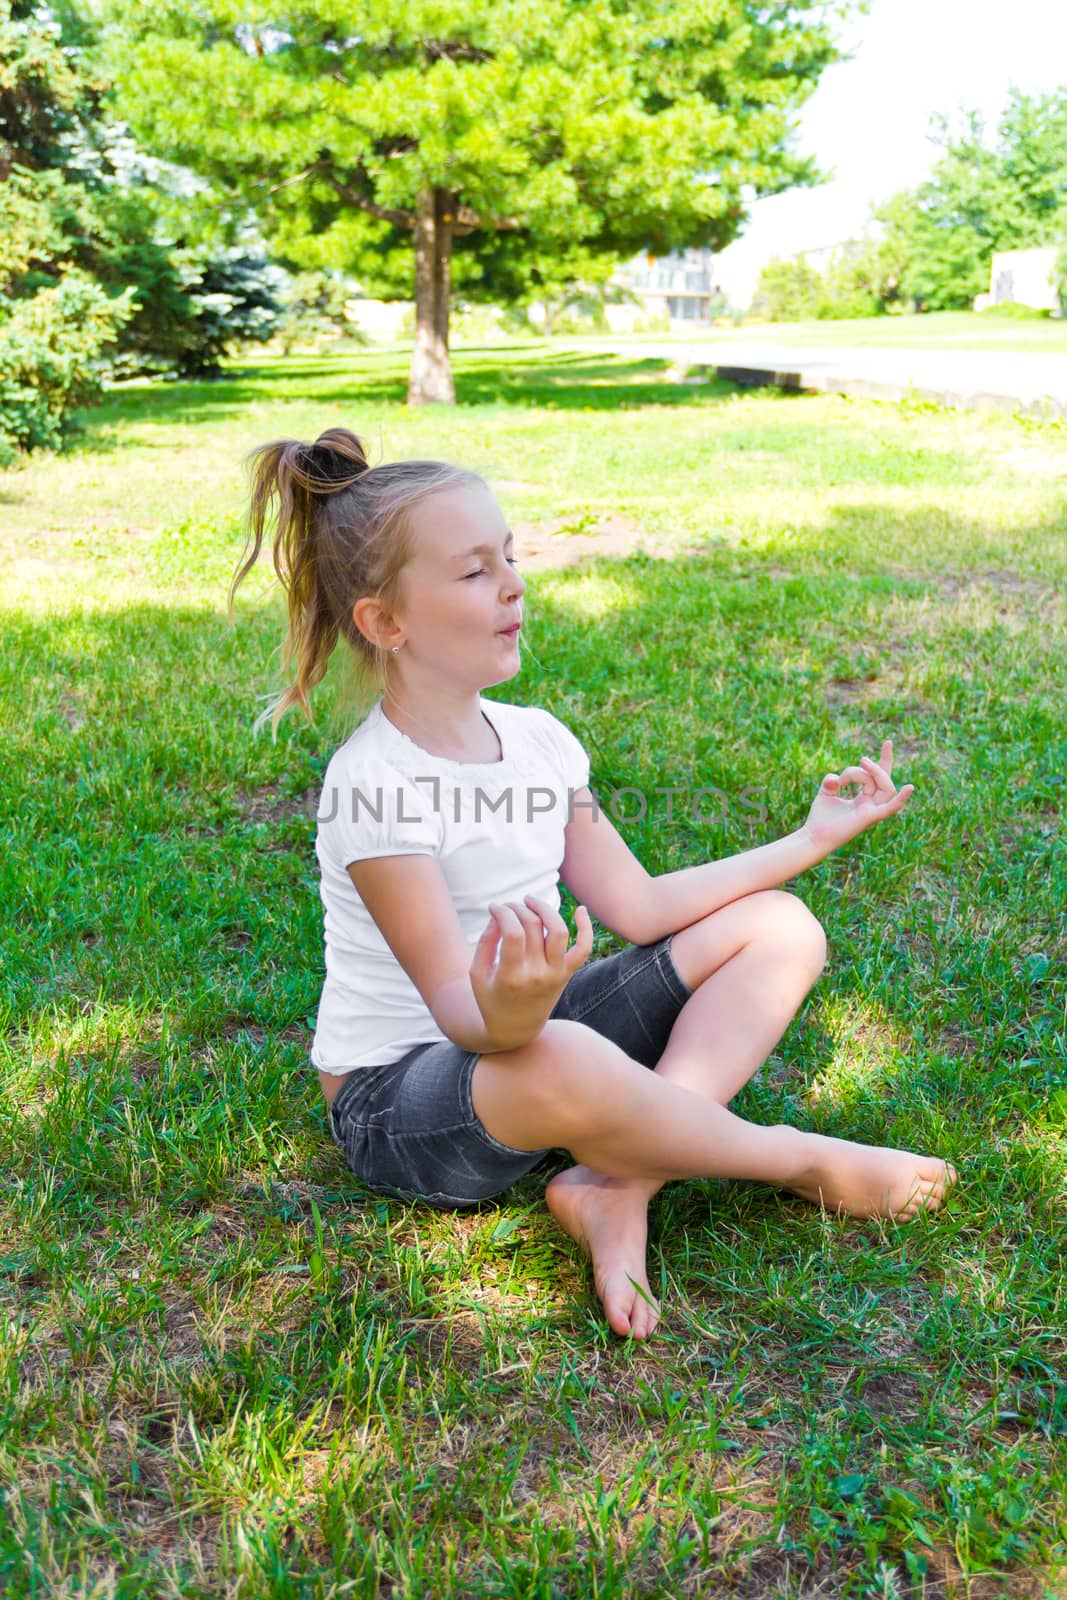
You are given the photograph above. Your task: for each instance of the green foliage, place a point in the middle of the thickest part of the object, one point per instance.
(80, 195)
(229, 302)
(51, 360)
(1013, 311)
(560, 132)
(982, 198)
(788, 291)
(29, 220)
(312, 310)
(863, 281)
(1059, 279)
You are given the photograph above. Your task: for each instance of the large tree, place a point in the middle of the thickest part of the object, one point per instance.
(981, 196)
(76, 194)
(491, 139)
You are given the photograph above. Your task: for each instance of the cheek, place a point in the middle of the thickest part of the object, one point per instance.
(471, 604)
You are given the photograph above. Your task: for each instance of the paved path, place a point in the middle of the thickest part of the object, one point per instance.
(1034, 381)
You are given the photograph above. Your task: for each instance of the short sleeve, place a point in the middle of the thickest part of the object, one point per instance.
(385, 813)
(571, 752)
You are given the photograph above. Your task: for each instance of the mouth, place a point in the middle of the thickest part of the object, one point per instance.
(511, 633)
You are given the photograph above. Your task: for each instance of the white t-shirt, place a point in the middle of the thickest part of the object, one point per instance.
(383, 795)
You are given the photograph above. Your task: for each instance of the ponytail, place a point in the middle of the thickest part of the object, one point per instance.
(341, 531)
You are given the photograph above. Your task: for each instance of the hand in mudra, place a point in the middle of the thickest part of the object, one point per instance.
(834, 819)
(516, 995)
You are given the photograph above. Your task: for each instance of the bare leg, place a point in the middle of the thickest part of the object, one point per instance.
(766, 952)
(722, 1034)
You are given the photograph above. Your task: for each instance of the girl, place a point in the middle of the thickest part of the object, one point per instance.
(460, 1038)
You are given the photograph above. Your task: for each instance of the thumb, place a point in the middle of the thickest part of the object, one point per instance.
(831, 781)
(578, 953)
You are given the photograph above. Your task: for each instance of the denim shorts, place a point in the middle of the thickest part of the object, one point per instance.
(408, 1128)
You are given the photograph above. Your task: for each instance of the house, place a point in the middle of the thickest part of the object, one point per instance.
(681, 285)
(1024, 277)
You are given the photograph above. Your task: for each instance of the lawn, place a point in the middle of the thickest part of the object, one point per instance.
(228, 1369)
(933, 330)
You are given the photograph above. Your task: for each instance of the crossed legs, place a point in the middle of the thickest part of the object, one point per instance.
(750, 966)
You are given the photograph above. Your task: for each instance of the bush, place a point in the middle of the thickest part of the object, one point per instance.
(312, 312)
(229, 302)
(1059, 280)
(1015, 311)
(51, 361)
(788, 291)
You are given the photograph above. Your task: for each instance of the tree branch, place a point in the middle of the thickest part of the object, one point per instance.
(399, 219)
(462, 219)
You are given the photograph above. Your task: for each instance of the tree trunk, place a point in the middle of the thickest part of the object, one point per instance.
(431, 371)
(443, 267)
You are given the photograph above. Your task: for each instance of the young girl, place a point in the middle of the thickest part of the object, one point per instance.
(460, 1037)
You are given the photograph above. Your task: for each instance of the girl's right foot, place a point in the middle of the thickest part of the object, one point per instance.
(866, 1180)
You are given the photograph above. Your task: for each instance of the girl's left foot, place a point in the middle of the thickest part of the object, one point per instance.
(609, 1218)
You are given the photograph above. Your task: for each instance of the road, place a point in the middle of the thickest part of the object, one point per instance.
(1033, 381)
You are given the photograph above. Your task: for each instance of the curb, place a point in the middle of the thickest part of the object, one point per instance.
(1047, 406)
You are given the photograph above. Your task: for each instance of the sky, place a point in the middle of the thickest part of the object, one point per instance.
(868, 122)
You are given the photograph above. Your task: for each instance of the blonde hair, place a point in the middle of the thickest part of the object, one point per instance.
(342, 531)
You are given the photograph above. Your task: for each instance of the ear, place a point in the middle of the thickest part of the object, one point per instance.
(370, 618)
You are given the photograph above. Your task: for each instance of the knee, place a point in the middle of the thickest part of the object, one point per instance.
(571, 1069)
(788, 919)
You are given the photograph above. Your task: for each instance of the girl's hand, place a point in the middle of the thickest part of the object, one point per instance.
(833, 820)
(517, 996)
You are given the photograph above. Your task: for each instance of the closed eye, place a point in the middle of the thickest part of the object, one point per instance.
(511, 560)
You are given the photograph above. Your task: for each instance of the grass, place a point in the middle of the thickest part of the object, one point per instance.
(932, 330)
(227, 1368)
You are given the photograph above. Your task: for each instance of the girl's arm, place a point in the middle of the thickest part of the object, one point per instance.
(678, 898)
(600, 869)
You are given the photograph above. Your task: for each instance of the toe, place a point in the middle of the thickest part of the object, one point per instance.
(644, 1314)
(618, 1298)
(649, 1321)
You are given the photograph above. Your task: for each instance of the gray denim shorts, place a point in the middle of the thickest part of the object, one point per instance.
(408, 1128)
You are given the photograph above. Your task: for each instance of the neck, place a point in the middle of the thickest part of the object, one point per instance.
(443, 719)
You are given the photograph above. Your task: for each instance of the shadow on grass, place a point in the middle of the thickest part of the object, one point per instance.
(188, 834)
(566, 381)
(167, 1158)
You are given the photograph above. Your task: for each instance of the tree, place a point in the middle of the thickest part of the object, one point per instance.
(495, 140)
(78, 194)
(788, 290)
(981, 198)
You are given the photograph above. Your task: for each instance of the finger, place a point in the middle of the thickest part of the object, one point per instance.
(532, 928)
(879, 774)
(858, 775)
(831, 782)
(887, 755)
(579, 952)
(512, 932)
(485, 949)
(555, 941)
(901, 799)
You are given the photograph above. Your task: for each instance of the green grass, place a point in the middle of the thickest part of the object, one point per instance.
(933, 330)
(226, 1368)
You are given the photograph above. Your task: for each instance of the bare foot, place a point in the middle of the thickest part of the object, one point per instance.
(867, 1180)
(609, 1218)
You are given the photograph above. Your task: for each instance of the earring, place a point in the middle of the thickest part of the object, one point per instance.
(396, 647)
